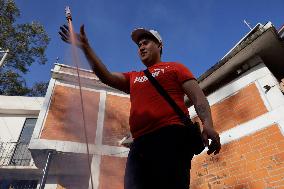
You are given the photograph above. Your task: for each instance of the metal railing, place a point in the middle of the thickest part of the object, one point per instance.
(18, 184)
(15, 154)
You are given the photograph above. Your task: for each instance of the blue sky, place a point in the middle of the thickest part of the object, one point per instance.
(196, 33)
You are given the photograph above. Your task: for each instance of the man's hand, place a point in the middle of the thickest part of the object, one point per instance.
(215, 145)
(80, 40)
(113, 79)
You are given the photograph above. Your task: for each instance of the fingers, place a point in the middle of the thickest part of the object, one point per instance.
(64, 38)
(83, 34)
(66, 27)
(82, 30)
(205, 139)
(79, 40)
(83, 37)
(64, 33)
(215, 146)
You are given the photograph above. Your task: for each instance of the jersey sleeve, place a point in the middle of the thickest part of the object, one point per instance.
(183, 73)
(127, 76)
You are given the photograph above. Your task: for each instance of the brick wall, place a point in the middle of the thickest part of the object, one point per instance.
(255, 162)
(65, 119)
(116, 122)
(112, 172)
(72, 182)
(241, 107)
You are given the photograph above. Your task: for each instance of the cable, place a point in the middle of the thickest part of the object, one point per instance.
(81, 97)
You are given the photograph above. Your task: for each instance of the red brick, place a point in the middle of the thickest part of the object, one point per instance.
(259, 174)
(257, 184)
(269, 151)
(279, 157)
(244, 179)
(277, 171)
(243, 106)
(230, 181)
(245, 170)
(274, 138)
(251, 166)
(274, 178)
(280, 145)
(242, 186)
(251, 156)
(65, 119)
(258, 143)
(112, 172)
(116, 120)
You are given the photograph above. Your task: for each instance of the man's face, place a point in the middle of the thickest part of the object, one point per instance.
(148, 51)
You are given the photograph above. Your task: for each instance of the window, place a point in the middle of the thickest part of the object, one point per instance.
(22, 155)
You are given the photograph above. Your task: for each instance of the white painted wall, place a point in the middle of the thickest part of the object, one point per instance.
(10, 128)
(13, 113)
(20, 105)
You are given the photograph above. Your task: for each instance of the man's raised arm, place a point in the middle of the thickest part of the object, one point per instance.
(113, 79)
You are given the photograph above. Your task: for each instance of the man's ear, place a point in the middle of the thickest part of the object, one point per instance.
(160, 46)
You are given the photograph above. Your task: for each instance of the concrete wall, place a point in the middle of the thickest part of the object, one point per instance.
(13, 112)
(10, 128)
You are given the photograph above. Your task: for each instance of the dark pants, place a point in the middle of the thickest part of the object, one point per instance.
(160, 160)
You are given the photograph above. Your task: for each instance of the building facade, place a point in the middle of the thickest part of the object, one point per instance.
(82, 135)
(244, 92)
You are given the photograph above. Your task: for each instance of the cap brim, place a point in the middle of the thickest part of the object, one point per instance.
(137, 33)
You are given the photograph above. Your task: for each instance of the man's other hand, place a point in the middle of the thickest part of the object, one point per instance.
(215, 145)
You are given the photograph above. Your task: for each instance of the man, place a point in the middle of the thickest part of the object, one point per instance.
(160, 155)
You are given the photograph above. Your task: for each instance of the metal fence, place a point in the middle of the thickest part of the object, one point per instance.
(15, 154)
(18, 184)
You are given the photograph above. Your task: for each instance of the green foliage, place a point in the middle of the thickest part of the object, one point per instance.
(38, 89)
(26, 43)
(12, 84)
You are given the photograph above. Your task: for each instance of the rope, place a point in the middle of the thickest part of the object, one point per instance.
(81, 97)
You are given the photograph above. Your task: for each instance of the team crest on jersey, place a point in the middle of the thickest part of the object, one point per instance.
(154, 74)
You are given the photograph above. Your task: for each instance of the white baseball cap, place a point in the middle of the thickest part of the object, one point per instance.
(137, 33)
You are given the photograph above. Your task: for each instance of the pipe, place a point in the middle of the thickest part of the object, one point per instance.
(46, 168)
(68, 13)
